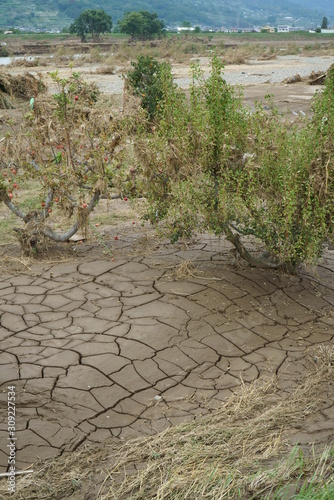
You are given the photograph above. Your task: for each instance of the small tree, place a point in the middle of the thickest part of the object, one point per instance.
(210, 165)
(142, 25)
(91, 21)
(67, 149)
(324, 24)
(146, 82)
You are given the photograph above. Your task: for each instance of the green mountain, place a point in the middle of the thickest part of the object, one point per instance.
(56, 14)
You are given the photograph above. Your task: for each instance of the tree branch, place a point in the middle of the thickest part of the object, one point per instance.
(61, 237)
(253, 261)
(70, 232)
(13, 208)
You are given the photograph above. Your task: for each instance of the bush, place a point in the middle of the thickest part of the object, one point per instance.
(210, 165)
(69, 149)
(4, 51)
(146, 82)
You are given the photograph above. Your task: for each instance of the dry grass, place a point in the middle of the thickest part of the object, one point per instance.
(212, 458)
(18, 86)
(32, 62)
(16, 266)
(178, 50)
(317, 49)
(238, 55)
(183, 271)
(242, 449)
(105, 70)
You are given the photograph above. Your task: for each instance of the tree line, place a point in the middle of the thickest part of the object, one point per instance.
(140, 25)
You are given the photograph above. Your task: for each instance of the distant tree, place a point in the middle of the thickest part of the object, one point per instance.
(141, 24)
(186, 24)
(324, 24)
(91, 21)
(197, 29)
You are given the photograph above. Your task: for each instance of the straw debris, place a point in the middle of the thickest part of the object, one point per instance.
(242, 448)
(182, 271)
(18, 86)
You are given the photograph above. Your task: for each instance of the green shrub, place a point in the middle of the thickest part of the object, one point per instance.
(4, 51)
(212, 165)
(145, 81)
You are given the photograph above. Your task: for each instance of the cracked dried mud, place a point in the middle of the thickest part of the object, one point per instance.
(104, 350)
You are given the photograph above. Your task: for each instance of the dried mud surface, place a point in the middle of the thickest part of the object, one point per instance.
(102, 349)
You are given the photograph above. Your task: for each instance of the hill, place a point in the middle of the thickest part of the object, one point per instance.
(56, 14)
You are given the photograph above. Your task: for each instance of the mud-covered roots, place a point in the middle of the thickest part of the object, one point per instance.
(32, 239)
(83, 216)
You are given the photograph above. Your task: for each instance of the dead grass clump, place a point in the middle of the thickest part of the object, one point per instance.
(16, 265)
(9, 264)
(237, 55)
(23, 63)
(63, 54)
(32, 239)
(183, 271)
(235, 451)
(5, 101)
(193, 47)
(105, 70)
(18, 86)
(267, 56)
(313, 47)
(95, 55)
(175, 49)
(243, 53)
(214, 457)
(31, 63)
(293, 79)
(4, 52)
(317, 78)
(61, 477)
(128, 53)
(318, 49)
(292, 49)
(314, 78)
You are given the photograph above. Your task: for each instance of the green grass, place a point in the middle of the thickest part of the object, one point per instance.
(6, 228)
(310, 491)
(170, 34)
(29, 199)
(35, 36)
(300, 476)
(56, 36)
